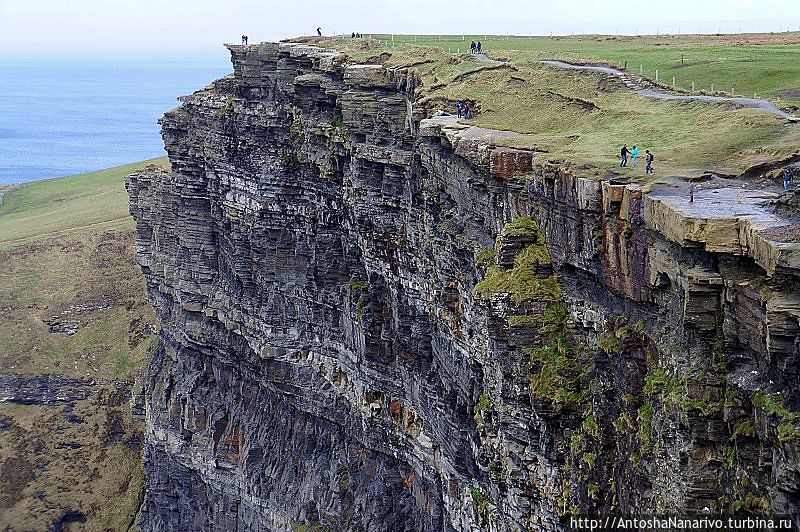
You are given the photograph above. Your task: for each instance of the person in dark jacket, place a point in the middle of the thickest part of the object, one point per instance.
(648, 158)
(479, 46)
(244, 39)
(623, 155)
(319, 32)
(787, 178)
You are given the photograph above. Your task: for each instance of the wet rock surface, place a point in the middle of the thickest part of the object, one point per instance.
(375, 321)
(44, 390)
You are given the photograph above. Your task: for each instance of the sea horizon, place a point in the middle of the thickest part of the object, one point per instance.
(64, 115)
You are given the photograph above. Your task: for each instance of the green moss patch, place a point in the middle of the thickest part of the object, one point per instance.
(521, 281)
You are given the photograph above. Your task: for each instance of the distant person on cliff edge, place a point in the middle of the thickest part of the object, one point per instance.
(244, 39)
(634, 156)
(623, 155)
(458, 109)
(472, 47)
(787, 179)
(648, 158)
(319, 32)
(479, 46)
(466, 111)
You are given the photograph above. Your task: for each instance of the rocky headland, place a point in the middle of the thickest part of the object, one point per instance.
(375, 319)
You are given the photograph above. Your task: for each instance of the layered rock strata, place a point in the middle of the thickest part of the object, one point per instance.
(371, 320)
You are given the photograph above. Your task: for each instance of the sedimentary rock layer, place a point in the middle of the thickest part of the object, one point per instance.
(371, 320)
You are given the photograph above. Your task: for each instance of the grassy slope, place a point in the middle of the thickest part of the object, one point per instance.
(580, 122)
(762, 64)
(67, 242)
(86, 202)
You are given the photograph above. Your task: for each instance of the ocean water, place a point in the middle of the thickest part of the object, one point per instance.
(62, 117)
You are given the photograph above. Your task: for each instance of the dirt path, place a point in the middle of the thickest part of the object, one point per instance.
(483, 59)
(646, 88)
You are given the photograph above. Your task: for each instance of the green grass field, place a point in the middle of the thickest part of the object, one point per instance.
(766, 65)
(67, 256)
(92, 202)
(579, 120)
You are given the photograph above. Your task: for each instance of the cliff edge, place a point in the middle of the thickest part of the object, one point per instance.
(375, 320)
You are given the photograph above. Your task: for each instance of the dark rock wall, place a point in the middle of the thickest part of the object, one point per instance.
(329, 359)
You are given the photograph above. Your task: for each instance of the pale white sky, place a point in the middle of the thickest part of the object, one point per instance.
(114, 26)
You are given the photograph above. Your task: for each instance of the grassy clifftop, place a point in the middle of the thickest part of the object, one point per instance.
(581, 119)
(75, 330)
(767, 65)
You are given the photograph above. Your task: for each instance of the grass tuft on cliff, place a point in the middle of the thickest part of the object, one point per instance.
(521, 280)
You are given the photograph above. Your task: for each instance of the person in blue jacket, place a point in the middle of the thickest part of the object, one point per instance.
(634, 155)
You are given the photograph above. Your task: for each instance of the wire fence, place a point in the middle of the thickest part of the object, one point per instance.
(702, 86)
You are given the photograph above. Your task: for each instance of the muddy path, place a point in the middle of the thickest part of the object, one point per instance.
(645, 88)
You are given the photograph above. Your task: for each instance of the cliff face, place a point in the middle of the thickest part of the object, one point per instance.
(376, 321)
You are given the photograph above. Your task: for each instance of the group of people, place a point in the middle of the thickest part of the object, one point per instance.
(462, 111)
(633, 155)
(355, 35)
(475, 48)
(244, 39)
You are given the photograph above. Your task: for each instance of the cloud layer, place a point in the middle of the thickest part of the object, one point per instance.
(63, 26)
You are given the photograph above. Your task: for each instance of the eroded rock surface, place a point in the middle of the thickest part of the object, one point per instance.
(375, 321)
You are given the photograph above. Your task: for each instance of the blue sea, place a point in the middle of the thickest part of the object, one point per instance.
(67, 116)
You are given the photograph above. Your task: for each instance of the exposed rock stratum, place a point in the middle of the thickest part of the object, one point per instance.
(374, 320)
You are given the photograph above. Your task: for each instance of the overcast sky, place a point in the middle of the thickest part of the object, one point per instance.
(115, 26)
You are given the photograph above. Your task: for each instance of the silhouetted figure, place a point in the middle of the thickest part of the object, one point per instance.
(623, 155)
(479, 46)
(319, 32)
(244, 39)
(458, 108)
(353, 35)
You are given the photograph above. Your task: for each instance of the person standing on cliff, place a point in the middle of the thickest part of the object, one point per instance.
(472, 47)
(319, 31)
(479, 46)
(458, 108)
(634, 156)
(244, 39)
(466, 111)
(648, 158)
(623, 154)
